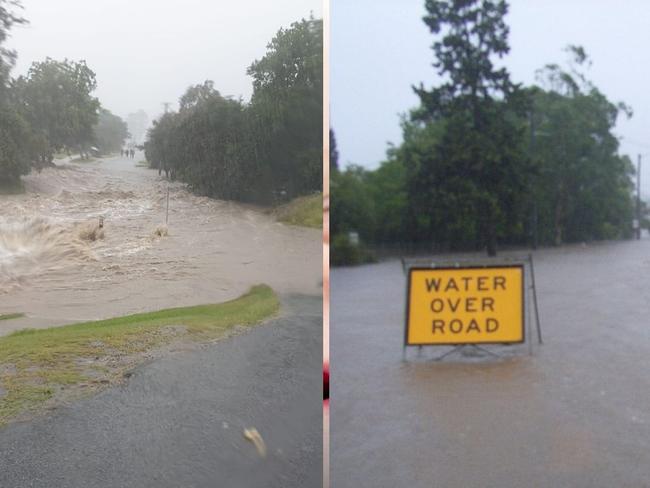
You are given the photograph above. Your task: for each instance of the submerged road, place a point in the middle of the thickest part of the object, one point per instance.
(179, 421)
(574, 414)
(210, 251)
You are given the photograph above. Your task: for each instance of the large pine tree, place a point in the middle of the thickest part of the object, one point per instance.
(471, 183)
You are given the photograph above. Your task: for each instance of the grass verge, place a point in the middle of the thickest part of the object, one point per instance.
(40, 369)
(303, 211)
(9, 316)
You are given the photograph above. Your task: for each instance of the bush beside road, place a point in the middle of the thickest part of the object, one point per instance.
(303, 211)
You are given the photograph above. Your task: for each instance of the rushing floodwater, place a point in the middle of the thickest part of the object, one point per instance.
(574, 414)
(57, 266)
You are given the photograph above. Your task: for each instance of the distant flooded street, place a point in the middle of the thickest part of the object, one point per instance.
(57, 266)
(574, 414)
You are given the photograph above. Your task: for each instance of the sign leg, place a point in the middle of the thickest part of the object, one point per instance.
(486, 351)
(532, 277)
(456, 348)
(529, 323)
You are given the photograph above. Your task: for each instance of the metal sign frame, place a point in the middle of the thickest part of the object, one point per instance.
(528, 293)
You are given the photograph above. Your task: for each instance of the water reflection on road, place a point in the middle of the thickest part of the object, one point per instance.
(574, 414)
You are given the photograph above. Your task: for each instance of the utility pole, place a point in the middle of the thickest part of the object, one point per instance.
(638, 198)
(166, 105)
(167, 214)
(534, 191)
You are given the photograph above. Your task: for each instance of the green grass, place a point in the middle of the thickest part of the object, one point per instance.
(303, 211)
(43, 367)
(9, 316)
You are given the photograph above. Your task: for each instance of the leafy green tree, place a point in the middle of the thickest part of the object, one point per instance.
(207, 145)
(583, 187)
(158, 147)
(351, 203)
(110, 132)
(15, 135)
(264, 151)
(483, 159)
(216, 159)
(15, 145)
(8, 18)
(423, 222)
(387, 188)
(56, 99)
(476, 172)
(352, 209)
(197, 94)
(287, 106)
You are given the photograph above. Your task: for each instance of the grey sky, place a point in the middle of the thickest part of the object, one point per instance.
(379, 48)
(147, 52)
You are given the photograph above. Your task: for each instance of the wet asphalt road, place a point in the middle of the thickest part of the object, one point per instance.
(574, 414)
(178, 422)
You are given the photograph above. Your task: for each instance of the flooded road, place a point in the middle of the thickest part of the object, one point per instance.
(57, 266)
(574, 414)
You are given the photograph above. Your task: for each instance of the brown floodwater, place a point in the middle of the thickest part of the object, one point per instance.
(57, 266)
(575, 413)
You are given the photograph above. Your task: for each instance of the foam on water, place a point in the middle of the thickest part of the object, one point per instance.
(34, 245)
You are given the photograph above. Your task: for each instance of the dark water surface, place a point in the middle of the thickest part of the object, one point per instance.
(574, 414)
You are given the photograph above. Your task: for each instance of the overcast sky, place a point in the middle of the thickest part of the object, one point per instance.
(146, 52)
(379, 48)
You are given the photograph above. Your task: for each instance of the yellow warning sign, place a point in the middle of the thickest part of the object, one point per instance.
(469, 305)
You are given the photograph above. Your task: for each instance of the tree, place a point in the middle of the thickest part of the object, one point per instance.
(197, 94)
(15, 135)
(293, 61)
(110, 132)
(478, 163)
(387, 188)
(583, 187)
(351, 204)
(207, 144)
(287, 106)
(267, 150)
(159, 148)
(55, 98)
(8, 18)
(15, 147)
(215, 155)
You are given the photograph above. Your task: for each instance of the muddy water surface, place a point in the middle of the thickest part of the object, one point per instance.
(57, 266)
(574, 414)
